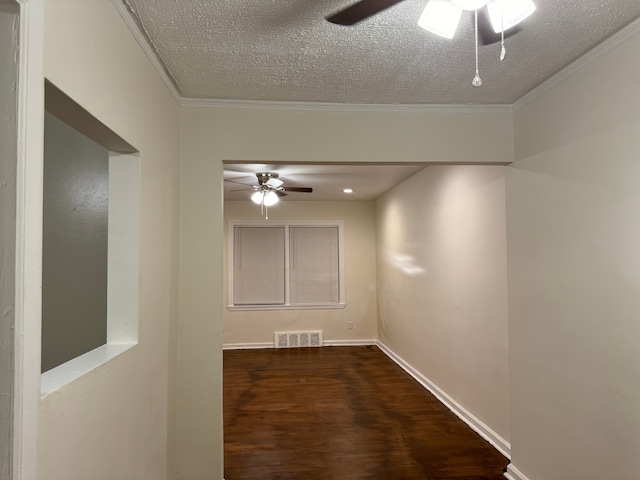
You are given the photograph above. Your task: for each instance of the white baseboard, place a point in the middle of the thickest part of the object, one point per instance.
(326, 343)
(349, 343)
(247, 346)
(467, 417)
(514, 474)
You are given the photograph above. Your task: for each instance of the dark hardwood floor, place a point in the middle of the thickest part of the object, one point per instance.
(341, 413)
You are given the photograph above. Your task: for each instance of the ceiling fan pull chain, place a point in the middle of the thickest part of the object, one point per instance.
(503, 51)
(264, 210)
(477, 81)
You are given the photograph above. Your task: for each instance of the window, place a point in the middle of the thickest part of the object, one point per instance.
(296, 265)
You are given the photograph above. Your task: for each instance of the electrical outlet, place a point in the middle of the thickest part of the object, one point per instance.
(350, 325)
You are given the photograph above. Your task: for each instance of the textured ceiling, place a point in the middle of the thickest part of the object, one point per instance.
(284, 50)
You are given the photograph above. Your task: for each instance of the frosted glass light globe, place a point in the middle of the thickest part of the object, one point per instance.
(270, 198)
(505, 14)
(469, 4)
(257, 197)
(440, 17)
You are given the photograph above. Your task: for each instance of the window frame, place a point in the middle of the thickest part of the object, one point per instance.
(287, 303)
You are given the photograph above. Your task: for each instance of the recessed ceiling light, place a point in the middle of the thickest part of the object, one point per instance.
(347, 190)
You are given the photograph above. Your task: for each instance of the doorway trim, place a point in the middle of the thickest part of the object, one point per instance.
(28, 270)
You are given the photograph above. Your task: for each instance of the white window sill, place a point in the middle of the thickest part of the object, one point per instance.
(66, 373)
(235, 308)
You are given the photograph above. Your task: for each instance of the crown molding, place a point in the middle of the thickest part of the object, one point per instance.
(344, 107)
(578, 65)
(151, 53)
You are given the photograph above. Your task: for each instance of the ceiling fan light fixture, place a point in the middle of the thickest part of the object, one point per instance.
(266, 198)
(270, 198)
(257, 197)
(440, 17)
(469, 4)
(505, 14)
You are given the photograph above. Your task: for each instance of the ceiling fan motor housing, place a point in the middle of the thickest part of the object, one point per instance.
(269, 181)
(264, 177)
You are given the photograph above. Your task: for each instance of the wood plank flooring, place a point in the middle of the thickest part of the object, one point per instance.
(346, 413)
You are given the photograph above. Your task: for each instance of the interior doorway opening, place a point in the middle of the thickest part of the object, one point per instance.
(410, 252)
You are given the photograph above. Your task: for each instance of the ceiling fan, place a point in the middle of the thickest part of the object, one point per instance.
(270, 182)
(270, 188)
(442, 17)
(503, 14)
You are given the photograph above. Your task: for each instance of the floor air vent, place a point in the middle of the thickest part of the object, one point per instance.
(298, 339)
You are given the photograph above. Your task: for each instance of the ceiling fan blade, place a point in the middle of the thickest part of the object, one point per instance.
(274, 182)
(360, 11)
(239, 183)
(280, 193)
(298, 189)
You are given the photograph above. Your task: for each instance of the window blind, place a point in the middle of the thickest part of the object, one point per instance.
(314, 273)
(258, 271)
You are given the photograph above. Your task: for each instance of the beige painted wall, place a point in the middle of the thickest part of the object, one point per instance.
(8, 153)
(210, 135)
(571, 203)
(115, 421)
(442, 284)
(242, 327)
(74, 244)
(574, 270)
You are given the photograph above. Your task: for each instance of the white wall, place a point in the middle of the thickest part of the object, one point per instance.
(574, 271)
(243, 327)
(442, 284)
(211, 135)
(115, 421)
